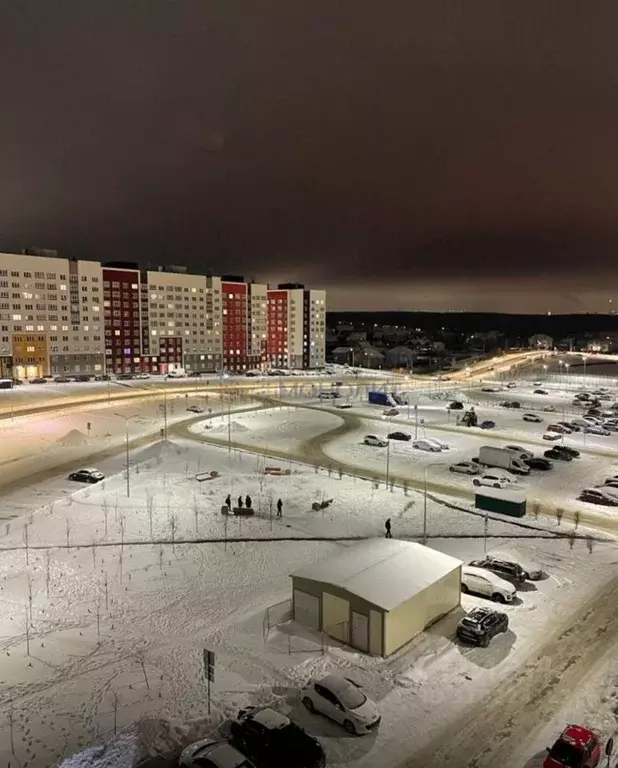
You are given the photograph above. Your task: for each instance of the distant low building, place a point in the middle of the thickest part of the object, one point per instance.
(357, 336)
(541, 341)
(343, 355)
(400, 357)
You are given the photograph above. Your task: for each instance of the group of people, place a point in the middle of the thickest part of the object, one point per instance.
(248, 502)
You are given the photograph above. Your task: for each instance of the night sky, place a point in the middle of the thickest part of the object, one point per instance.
(402, 155)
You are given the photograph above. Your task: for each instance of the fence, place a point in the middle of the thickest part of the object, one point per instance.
(276, 614)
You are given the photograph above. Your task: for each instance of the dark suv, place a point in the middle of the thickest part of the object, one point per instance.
(480, 625)
(511, 572)
(567, 450)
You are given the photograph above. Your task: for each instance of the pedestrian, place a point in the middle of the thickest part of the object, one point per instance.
(228, 501)
(279, 508)
(387, 526)
(248, 501)
(240, 502)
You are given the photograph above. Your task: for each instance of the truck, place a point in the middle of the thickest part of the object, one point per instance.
(387, 398)
(491, 456)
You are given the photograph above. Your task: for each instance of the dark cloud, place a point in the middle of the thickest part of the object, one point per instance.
(416, 144)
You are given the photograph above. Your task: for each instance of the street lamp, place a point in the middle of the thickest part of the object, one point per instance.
(126, 420)
(545, 373)
(427, 468)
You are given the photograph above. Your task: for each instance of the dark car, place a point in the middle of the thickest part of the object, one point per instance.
(208, 753)
(83, 377)
(505, 404)
(399, 436)
(456, 405)
(536, 462)
(515, 404)
(103, 377)
(511, 572)
(198, 375)
(557, 455)
(62, 380)
(571, 427)
(125, 376)
(487, 424)
(87, 476)
(593, 412)
(480, 625)
(39, 380)
(540, 391)
(597, 496)
(271, 740)
(566, 449)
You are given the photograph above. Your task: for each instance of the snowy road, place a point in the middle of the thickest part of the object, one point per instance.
(492, 732)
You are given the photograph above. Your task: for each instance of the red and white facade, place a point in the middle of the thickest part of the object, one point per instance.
(64, 316)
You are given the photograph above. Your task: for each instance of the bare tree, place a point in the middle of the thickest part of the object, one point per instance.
(47, 568)
(589, 543)
(150, 499)
(30, 598)
(94, 554)
(121, 561)
(196, 511)
(577, 518)
(116, 503)
(105, 506)
(68, 531)
(141, 658)
(106, 592)
(115, 706)
(26, 543)
(27, 631)
(98, 615)
(173, 523)
(559, 514)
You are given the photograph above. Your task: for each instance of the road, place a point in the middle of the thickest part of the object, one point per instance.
(490, 733)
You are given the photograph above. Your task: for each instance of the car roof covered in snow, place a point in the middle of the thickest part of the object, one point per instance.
(384, 572)
(335, 683)
(270, 719)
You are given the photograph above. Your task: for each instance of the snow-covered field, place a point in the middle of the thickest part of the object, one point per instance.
(116, 630)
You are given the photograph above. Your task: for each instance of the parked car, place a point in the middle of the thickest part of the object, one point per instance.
(552, 436)
(574, 454)
(489, 389)
(426, 445)
(103, 377)
(487, 424)
(493, 480)
(549, 408)
(536, 462)
(611, 425)
(520, 451)
(198, 375)
(532, 417)
(271, 739)
(559, 428)
(480, 625)
(505, 404)
(38, 380)
(62, 380)
(597, 496)
(124, 376)
(87, 476)
(343, 701)
(481, 582)
(511, 385)
(570, 426)
(390, 412)
(456, 405)
(377, 441)
(505, 569)
(609, 484)
(540, 391)
(553, 453)
(196, 409)
(593, 412)
(577, 747)
(440, 443)
(343, 406)
(597, 429)
(142, 375)
(208, 753)
(399, 436)
(465, 468)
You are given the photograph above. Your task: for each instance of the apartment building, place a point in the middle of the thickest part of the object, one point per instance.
(51, 316)
(65, 316)
(296, 327)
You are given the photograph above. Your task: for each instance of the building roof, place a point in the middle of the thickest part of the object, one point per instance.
(384, 572)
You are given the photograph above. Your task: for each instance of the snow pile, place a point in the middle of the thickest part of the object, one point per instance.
(234, 426)
(72, 439)
(118, 753)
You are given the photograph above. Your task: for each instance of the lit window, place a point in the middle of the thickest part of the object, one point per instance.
(134, 286)
(29, 327)
(153, 333)
(116, 333)
(40, 327)
(16, 317)
(63, 287)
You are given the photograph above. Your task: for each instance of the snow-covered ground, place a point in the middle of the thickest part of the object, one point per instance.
(117, 629)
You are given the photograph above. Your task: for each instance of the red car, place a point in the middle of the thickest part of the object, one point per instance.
(577, 747)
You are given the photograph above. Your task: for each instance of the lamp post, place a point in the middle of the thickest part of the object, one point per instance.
(545, 373)
(126, 421)
(427, 468)
(584, 360)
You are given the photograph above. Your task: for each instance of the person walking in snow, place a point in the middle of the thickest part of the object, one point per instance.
(240, 502)
(279, 508)
(387, 526)
(228, 501)
(248, 501)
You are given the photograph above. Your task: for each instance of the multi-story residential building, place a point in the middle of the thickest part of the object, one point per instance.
(51, 315)
(61, 316)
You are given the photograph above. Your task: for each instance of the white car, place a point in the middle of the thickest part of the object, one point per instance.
(479, 581)
(532, 417)
(440, 443)
(343, 406)
(493, 480)
(465, 468)
(426, 445)
(581, 423)
(549, 408)
(591, 420)
(522, 452)
(196, 409)
(373, 440)
(142, 376)
(343, 701)
(552, 436)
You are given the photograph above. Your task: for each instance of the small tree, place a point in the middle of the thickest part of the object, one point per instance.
(589, 543)
(577, 518)
(105, 506)
(559, 514)
(173, 523)
(150, 500)
(405, 487)
(26, 543)
(68, 533)
(571, 540)
(141, 658)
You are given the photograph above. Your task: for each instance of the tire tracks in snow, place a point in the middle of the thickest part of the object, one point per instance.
(491, 731)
